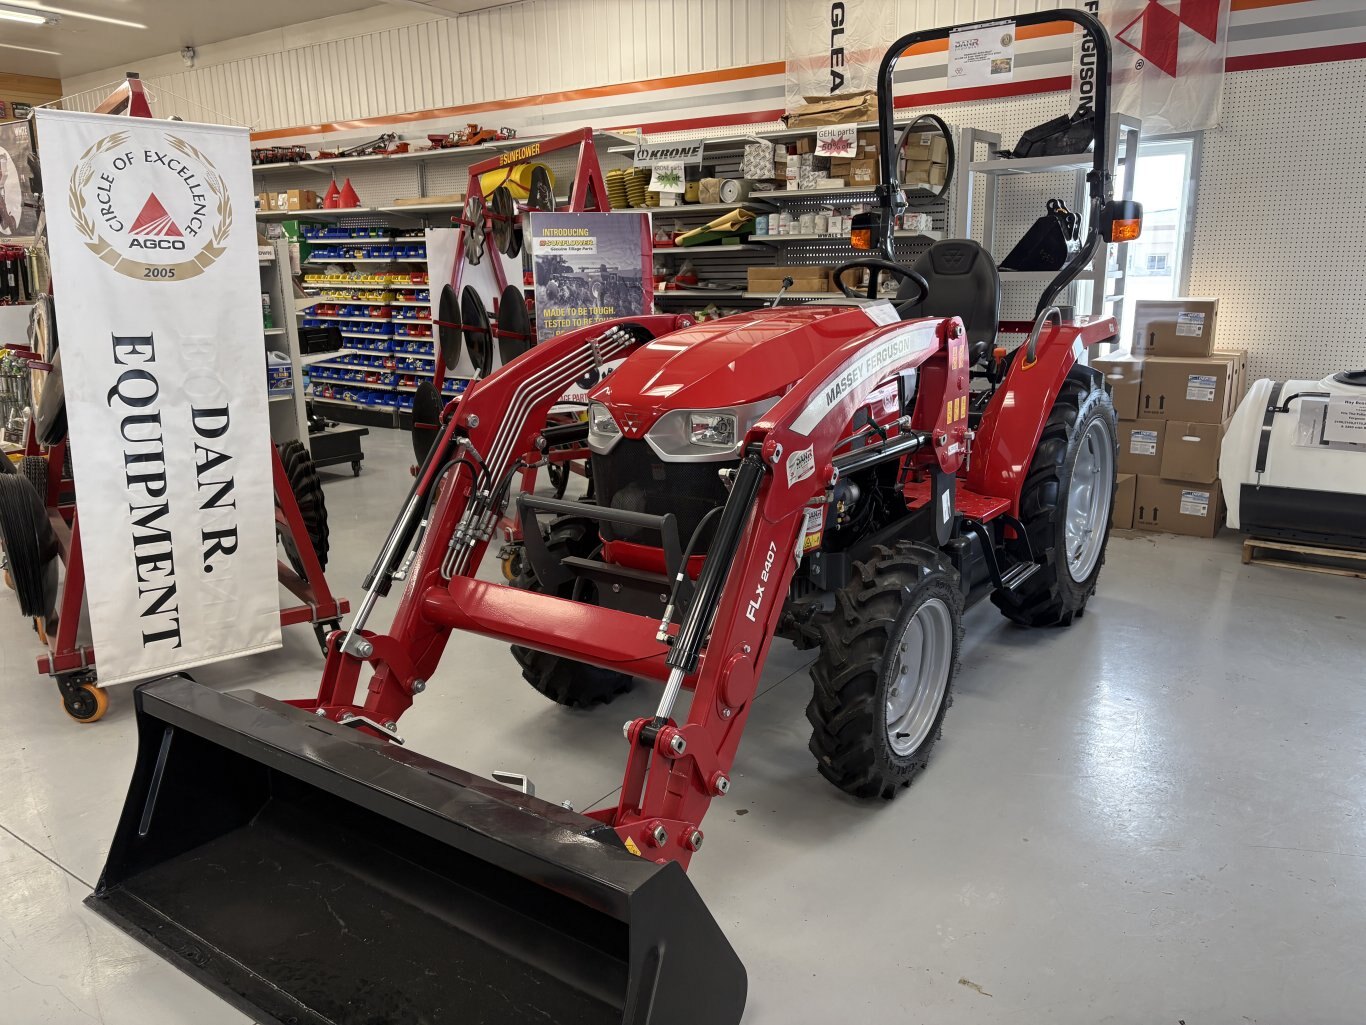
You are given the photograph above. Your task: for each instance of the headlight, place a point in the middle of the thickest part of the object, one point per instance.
(705, 435)
(603, 431)
(714, 430)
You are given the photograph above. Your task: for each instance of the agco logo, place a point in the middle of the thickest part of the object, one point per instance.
(1155, 35)
(155, 213)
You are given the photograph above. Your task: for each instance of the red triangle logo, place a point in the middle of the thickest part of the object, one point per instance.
(154, 220)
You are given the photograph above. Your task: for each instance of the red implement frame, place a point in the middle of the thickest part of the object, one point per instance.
(589, 194)
(672, 772)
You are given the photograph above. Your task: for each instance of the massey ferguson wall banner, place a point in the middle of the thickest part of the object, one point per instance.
(157, 291)
(1168, 61)
(833, 46)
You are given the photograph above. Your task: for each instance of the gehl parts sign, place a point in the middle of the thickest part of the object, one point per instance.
(157, 291)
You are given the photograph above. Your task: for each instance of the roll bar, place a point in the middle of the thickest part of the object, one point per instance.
(888, 192)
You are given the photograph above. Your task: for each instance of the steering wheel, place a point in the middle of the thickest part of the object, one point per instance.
(878, 266)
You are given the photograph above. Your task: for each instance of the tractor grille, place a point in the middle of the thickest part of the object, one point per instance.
(632, 477)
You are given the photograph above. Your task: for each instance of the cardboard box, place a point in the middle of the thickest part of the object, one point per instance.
(1140, 446)
(938, 174)
(1193, 389)
(300, 199)
(1239, 357)
(1123, 515)
(1190, 451)
(1178, 507)
(805, 144)
(1174, 327)
(445, 197)
(862, 172)
(1124, 374)
(804, 279)
(930, 147)
(839, 167)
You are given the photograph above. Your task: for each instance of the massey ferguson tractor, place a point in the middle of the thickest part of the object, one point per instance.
(849, 474)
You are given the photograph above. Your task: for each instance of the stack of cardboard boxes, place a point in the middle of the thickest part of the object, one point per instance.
(290, 199)
(926, 154)
(1174, 392)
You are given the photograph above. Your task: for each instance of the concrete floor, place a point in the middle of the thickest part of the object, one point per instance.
(1152, 817)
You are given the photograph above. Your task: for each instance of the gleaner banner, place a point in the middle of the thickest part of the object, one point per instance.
(1168, 61)
(833, 47)
(157, 291)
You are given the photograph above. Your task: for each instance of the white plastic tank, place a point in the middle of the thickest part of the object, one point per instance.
(1281, 477)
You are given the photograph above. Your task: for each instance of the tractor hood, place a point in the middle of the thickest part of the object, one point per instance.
(734, 361)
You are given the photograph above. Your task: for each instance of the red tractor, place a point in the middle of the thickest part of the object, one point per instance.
(849, 474)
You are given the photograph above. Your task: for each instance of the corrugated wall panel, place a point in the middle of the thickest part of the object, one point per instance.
(538, 46)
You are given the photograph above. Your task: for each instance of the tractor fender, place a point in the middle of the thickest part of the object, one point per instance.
(1013, 422)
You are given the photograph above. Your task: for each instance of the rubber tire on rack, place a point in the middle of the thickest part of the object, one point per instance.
(1051, 597)
(35, 469)
(848, 708)
(308, 493)
(563, 680)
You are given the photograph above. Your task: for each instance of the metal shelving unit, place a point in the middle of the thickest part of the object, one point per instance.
(977, 194)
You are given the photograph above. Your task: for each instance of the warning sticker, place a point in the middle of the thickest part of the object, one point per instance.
(1143, 443)
(1195, 503)
(1201, 387)
(1190, 325)
(801, 465)
(811, 531)
(631, 846)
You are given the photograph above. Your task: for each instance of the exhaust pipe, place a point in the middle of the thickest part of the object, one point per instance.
(313, 875)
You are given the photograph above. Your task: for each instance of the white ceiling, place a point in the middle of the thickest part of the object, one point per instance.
(83, 45)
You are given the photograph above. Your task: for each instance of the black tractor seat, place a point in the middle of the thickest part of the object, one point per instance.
(963, 283)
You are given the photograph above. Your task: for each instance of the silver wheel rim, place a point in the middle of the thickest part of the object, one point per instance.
(1088, 500)
(917, 675)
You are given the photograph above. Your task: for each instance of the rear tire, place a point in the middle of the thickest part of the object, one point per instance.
(563, 680)
(884, 676)
(35, 469)
(1081, 431)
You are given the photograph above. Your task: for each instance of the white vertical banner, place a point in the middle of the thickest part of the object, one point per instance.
(157, 292)
(1168, 61)
(834, 49)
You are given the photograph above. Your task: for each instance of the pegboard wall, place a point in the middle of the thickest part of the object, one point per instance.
(1280, 219)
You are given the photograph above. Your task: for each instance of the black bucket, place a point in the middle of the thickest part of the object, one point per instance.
(313, 875)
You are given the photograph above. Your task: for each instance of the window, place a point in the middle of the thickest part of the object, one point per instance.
(1164, 183)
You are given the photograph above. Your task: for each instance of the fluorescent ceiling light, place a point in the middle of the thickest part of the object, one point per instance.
(30, 49)
(24, 17)
(65, 12)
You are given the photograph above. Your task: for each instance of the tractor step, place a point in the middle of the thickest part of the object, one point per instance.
(1012, 578)
(316, 875)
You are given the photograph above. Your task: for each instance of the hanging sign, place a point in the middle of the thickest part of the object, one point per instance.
(1168, 61)
(687, 151)
(833, 49)
(587, 268)
(667, 176)
(837, 141)
(157, 292)
(982, 56)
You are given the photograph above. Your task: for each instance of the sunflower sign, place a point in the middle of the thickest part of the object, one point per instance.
(156, 288)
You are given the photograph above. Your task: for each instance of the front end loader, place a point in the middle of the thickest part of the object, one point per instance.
(850, 475)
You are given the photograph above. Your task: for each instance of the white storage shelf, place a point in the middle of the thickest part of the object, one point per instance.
(929, 236)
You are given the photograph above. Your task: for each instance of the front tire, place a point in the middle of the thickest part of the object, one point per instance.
(1066, 504)
(884, 676)
(562, 680)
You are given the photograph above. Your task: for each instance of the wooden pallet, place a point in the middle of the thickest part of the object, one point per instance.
(1338, 562)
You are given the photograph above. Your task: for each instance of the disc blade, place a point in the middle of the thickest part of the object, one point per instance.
(426, 419)
(448, 337)
(50, 420)
(475, 225)
(541, 195)
(474, 318)
(504, 212)
(514, 326)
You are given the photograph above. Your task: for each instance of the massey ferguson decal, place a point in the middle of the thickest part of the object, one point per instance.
(1168, 61)
(757, 602)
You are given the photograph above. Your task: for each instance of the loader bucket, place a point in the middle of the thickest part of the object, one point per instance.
(313, 875)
